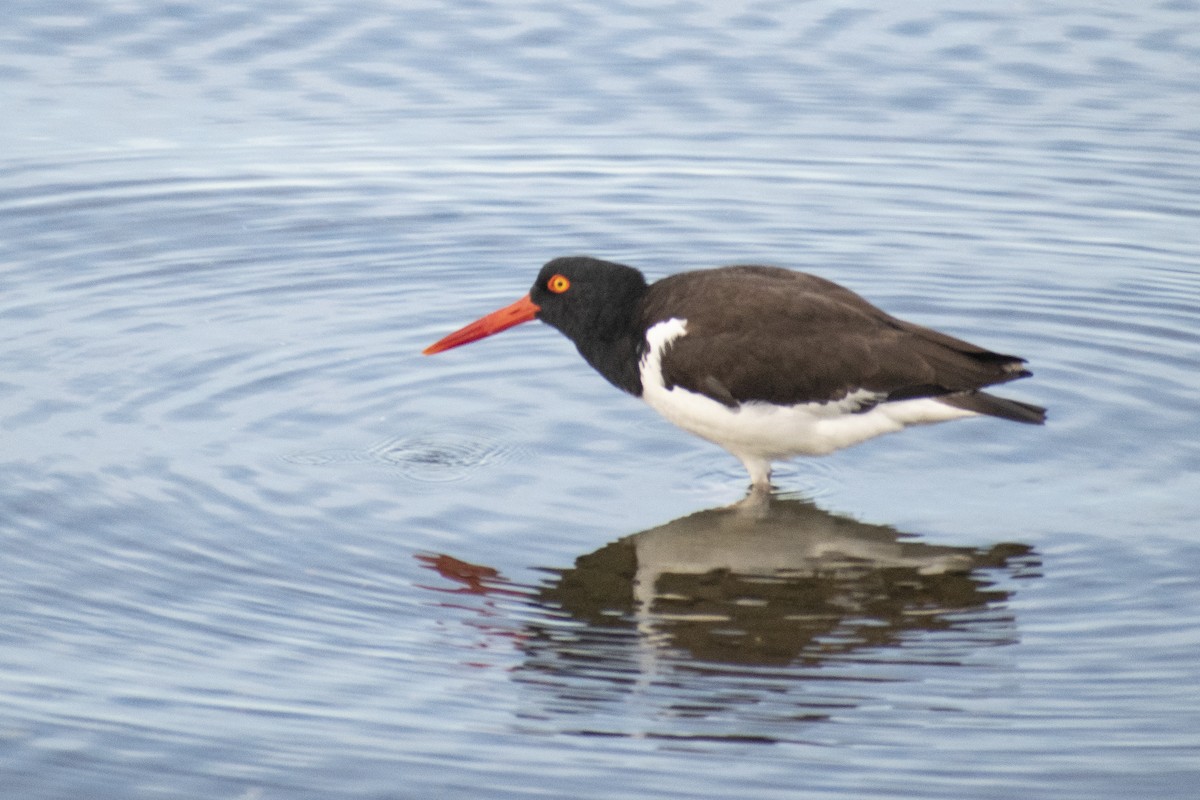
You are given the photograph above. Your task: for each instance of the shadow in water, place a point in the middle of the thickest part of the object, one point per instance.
(752, 598)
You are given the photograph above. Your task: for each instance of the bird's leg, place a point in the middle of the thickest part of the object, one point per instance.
(760, 473)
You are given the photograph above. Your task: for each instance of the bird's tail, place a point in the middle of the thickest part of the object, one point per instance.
(993, 406)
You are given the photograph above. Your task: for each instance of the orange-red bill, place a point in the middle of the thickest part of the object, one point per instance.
(521, 311)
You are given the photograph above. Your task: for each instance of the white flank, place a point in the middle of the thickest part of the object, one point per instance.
(759, 433)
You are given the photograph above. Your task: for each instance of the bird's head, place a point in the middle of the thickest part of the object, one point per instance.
(585, 298)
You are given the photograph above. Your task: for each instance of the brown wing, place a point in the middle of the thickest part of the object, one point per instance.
(787, 337)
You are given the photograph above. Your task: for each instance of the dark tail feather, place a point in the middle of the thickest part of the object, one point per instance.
(993, 406)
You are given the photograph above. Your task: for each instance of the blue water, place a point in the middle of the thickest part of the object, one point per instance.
(254, 545)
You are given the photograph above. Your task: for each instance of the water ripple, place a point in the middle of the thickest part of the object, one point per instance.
(432, 457)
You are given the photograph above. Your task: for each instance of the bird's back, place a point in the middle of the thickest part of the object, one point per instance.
(786, 337)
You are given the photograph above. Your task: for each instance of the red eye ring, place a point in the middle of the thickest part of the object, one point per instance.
(558, 284)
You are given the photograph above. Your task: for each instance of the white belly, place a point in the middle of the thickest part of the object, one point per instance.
(758, 433)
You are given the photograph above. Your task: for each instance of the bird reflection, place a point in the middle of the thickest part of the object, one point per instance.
(767, 581)
(773, 583)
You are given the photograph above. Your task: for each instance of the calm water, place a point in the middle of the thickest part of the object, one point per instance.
(255, 546)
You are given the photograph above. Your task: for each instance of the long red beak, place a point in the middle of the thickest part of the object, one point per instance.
(521, 311)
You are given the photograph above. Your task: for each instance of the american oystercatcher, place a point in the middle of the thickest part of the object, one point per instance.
(766, 362)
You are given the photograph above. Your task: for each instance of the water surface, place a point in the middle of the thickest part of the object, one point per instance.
(255, 546)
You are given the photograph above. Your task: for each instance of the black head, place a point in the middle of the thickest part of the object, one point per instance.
(588, 299)
(595, 303)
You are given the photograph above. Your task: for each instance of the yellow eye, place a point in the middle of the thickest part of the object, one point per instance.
(558, 284)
